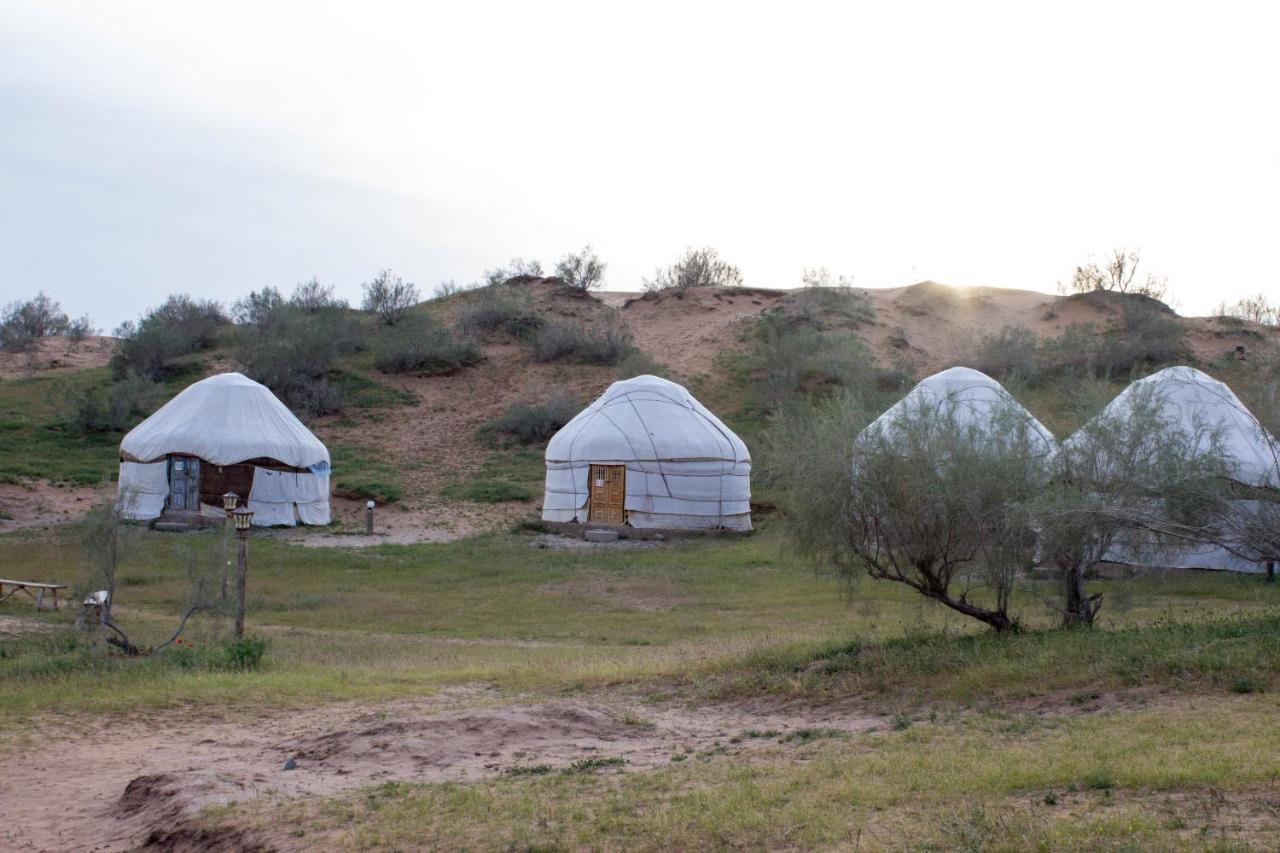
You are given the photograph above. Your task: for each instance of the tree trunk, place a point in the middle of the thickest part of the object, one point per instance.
(242, 569)
(1079, 609)
(997, 619)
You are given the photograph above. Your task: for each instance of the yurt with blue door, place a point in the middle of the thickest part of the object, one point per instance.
(646, 454)
(225, 434)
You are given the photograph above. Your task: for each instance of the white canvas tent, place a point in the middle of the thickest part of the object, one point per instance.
(972, 398)
(225, 433)
(1204, 408)
(647, 454)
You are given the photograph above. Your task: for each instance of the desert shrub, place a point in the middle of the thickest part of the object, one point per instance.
(1147, 335)
(581, 271)
(79, 329)
(698, 268)
(258, 308)
(178, 327)
(605, 341)
(14, 337)
(1012, 352)
(296, 354)
(824, 297)
(389, 296)
(531, 422)
(421, 345)
(111, 408)
(500, 307)
(36, 318)
(1116, 274)
(1258, 309)
(787, 360)
(312, 296)
(515, 268)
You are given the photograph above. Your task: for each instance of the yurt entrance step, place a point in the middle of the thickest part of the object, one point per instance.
(177, 522)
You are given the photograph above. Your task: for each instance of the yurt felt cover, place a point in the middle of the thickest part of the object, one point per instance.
(684, 466)
(225, 419)
(1200, 405)
(968, 395)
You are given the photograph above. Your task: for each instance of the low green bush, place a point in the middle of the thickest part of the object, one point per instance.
(532, 422)
(499, 307)
(604, 342)
(420, 345)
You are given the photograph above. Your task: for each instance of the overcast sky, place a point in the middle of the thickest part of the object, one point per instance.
(151, 148)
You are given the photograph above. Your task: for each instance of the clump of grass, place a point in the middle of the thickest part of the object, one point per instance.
(808, 735)
(364, 473)
(1101, 779)
(530, 770)
(488, 491)
(586, 765)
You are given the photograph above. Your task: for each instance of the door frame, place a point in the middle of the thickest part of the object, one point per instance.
(600, 508)
(191, 492)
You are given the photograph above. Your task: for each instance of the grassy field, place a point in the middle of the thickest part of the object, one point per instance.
(1160, 778)
(1185, 758)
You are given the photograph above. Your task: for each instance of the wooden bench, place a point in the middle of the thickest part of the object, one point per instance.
(31, 588)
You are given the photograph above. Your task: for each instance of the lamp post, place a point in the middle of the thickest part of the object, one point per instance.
(241, 517)
(229, 501)
(368, 519)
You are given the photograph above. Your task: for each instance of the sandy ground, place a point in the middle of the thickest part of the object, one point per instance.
(112, 785)
(57, 354)
(686, 331)
(40, 504)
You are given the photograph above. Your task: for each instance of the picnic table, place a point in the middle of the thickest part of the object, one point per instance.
(32, 588)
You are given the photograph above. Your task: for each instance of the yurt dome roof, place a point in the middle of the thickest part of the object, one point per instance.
(1198, 403)
(969, 395)
(225, 419)
(645, 419)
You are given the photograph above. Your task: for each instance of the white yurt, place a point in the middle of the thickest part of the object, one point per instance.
(648, 455)
(972, 398)
(1203, 407)
(225, 434)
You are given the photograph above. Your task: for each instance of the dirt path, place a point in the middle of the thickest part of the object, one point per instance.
(116, 785)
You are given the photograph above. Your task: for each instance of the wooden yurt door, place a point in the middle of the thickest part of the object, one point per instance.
(184, 483)
(608, 496)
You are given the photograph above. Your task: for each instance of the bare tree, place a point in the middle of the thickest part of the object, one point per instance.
(108, 540)
(389, 296)
(581, 271)
(926, 500)
(698, 268)
(515, 268)
(1117, 274)
(312, 296)
(1258, 309)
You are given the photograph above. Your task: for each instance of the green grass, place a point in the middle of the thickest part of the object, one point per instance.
(725, 617)
(508, 473)
(35, 444)
(364, 472)
(1144, 779)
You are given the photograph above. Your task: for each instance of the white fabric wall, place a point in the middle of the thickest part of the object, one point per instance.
(143, 487)
(705, 494)
(683, 464)
(285, 497)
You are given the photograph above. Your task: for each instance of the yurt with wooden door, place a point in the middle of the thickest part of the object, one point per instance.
(646, 454)
(225, 434)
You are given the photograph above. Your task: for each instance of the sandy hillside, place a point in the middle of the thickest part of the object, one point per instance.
(57, 355)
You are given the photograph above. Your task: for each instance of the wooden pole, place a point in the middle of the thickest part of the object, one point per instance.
(368, 519)
(242, 570)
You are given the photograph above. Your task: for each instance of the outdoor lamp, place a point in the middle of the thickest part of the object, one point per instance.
(242, 517)
(229, 501)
